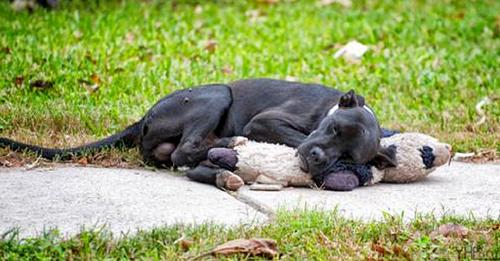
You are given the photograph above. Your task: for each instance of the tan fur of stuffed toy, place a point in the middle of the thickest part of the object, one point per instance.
(273, 166)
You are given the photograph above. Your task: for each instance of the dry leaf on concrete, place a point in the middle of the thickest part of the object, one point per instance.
(253, 247)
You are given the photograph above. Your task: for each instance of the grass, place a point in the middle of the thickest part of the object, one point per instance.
(300, 236)
(428, 66)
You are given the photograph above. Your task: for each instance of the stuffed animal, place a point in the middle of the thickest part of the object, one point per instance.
(273, 166)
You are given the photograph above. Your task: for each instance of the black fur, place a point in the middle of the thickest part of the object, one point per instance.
(427, 156)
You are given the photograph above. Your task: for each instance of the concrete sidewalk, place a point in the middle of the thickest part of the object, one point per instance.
(459, 189)
(124, 199)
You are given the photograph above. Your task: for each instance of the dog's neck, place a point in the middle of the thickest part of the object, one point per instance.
(336, 107)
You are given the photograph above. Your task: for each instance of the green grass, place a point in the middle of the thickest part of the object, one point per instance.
(300, 236)
(429, 64)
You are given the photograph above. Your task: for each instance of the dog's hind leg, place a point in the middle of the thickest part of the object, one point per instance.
(188, 119)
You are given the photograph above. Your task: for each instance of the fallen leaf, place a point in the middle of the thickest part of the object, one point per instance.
(90, 86)
(344, 3)
(253, 247)
(185, 244)
(451, 230)
(83, 161)
(19, 80)
(379, 249)
(6, 50)
(352, 51)
(198, 9)
(227, 70)
(41, 84)
(210, 45)
(95, 78)
(255, 16)
(130, 37)
(269, 1)
(480, 111)
(459, 15)
(78, 34)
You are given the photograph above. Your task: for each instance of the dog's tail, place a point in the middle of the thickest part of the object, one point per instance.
(127, 138)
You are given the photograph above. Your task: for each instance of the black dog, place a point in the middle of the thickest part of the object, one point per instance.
(179, 130)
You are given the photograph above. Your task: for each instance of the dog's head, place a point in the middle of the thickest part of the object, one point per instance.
(350, 132)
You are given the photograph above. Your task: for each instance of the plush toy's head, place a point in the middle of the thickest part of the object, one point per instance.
(417, 155)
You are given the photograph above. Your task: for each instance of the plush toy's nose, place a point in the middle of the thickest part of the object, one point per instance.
(448, 147)
(443, 154)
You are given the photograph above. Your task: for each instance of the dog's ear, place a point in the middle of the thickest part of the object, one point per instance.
(386, 158)
(348, 100)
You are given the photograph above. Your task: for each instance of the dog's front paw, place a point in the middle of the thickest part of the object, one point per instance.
(228, 180)
(238, 141)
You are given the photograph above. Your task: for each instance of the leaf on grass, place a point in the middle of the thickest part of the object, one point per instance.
(91, 86)
(255, 16)
(451, 230)
(198, 9)
(210, 45)
(381, 250)
(480, 111)
(227, 70)
(185, 244)
(253, 247)
(41, 84)
(83, 161)
(496, 226)
(353, 51)
(6, 50)
(95, 78)
(344, 3)
(19, 80)
(130, 37)
(269, 1)
(78, 34)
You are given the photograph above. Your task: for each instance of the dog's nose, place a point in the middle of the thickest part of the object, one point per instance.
(317, 155)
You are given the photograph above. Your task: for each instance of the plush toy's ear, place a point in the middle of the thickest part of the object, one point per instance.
(386, 158)
(348, 100)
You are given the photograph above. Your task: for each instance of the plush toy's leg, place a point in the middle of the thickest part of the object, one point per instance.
(223, 157)
(266, 187)
(341, 181)
(221, 178)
